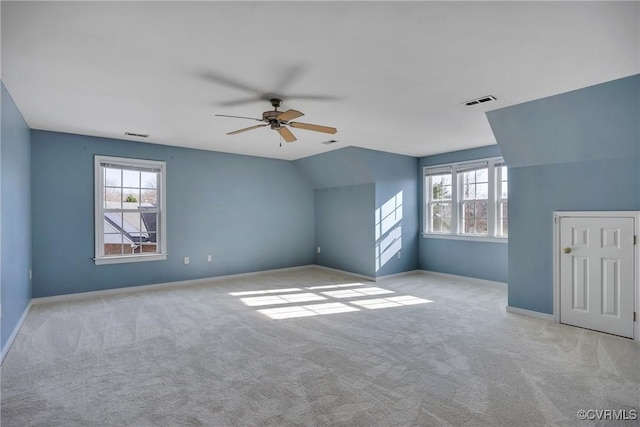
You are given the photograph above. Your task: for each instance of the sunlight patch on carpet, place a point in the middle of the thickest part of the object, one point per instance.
(306, 310)
(390, 302)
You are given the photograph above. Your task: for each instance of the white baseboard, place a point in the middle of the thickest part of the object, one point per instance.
(457, 277)
(336, 270)
(530, 313)
(395, 275)
(154, 286)
(13, 335)
(371, 278)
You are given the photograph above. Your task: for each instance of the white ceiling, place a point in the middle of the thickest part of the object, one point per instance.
(390, 76)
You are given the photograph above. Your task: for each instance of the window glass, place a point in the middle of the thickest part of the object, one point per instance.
(467, 199)
(128, 223)
(475, 195)
(440, 206)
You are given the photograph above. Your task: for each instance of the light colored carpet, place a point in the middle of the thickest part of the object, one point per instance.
(268, 351)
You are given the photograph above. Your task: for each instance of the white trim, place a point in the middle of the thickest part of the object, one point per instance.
(468, 237)
(155, 286)
(556, 267)
(458, 277)
(499, 200)
(530, 313)
(336, 270)
(401, 274)
(557, 215)
(455, 169)
(161, 232)
(14, 334)
(492, 211)
(465, 163)
(129, 258)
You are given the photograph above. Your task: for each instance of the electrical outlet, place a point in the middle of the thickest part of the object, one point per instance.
(399, 255)
(209, 258)
(30, 275)
(318, 249)
(186, 260)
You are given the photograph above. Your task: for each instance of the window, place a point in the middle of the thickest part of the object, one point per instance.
(467, 199)
(503, 199)
(475, 198)
(130, 210)
(439, 182)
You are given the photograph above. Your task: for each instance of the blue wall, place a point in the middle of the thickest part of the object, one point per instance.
(250, 213)
(15, 155)
(395, 176)
(336, 168)
(573, 151)
(344, 228)
(594, 123)
(348, 171)
(482, 260)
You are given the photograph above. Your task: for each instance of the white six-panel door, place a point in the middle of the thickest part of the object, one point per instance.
(597, 274)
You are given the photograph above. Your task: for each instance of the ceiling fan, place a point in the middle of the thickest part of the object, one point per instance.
(279, 120)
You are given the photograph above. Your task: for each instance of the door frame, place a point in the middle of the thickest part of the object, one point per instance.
(635, 215)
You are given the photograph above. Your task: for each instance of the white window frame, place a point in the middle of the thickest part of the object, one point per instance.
(499, 199)
(436, 171)
(467, 167)
(492, 206)
(99, 257)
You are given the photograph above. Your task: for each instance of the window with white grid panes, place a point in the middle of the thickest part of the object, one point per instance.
(503, 200)
(467, 199)
(440, 208)
(130, 223)
(474, 182)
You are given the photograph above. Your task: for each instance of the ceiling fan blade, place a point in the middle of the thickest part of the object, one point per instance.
(286, 134)
(229, 82)
(288, 76)
(311, 97)
(241, 101)
(317, 128)
(289, 114)
(246, 129)
(238, 117)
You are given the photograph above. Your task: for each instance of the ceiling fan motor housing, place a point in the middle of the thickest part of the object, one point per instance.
(269, 116)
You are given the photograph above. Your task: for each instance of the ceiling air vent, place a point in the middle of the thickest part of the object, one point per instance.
(138, 135)
(481, 100)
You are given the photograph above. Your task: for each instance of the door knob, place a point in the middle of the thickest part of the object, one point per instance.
(566, 250)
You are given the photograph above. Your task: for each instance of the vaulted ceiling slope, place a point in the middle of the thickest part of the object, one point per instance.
(589, 124)
(391, 76)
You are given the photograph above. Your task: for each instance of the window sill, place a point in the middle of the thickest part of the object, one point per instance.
(485, 239)
(129, 258)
